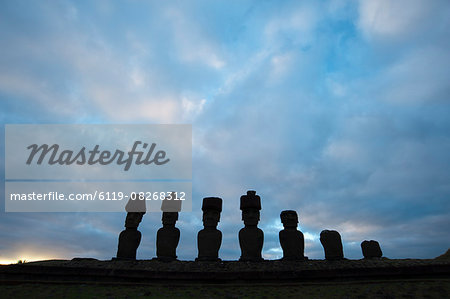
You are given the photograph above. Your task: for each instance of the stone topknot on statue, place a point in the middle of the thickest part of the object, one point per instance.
(135, 205)
(212, 203)
(171, 203)
(250, 200)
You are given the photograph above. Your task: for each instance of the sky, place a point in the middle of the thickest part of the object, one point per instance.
(338, 110)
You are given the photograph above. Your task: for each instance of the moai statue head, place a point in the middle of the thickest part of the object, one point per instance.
(250, 206)
(170, 208)
(289, 219)
(135, 211)
(211, 207)
(371, 249)
(169, 218)
(133, 219)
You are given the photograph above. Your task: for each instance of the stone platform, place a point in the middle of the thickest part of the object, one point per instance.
(188, 272)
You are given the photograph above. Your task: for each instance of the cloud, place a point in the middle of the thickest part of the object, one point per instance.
(191, 41)
(281, 66)
(419, 77)
(296, 23)
(192, 108)
(97, 76)
(338, 110)
(397, 20)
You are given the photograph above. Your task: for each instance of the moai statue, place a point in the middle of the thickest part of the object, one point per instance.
(130, 238)
(371, 249)
(251, 238)
(168, 236)
(332, 244)
(209, 238)
(291, 239)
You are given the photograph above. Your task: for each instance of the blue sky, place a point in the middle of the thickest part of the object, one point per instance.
(336, 109)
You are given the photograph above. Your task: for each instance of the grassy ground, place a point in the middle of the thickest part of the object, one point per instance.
(436, 288)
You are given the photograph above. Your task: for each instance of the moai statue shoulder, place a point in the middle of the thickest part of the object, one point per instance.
(209, 238)
(251, 238)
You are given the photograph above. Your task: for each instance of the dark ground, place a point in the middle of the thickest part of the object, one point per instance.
(435, 288)
(87, 278)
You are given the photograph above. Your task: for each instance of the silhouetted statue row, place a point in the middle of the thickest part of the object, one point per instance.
(251, 238)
